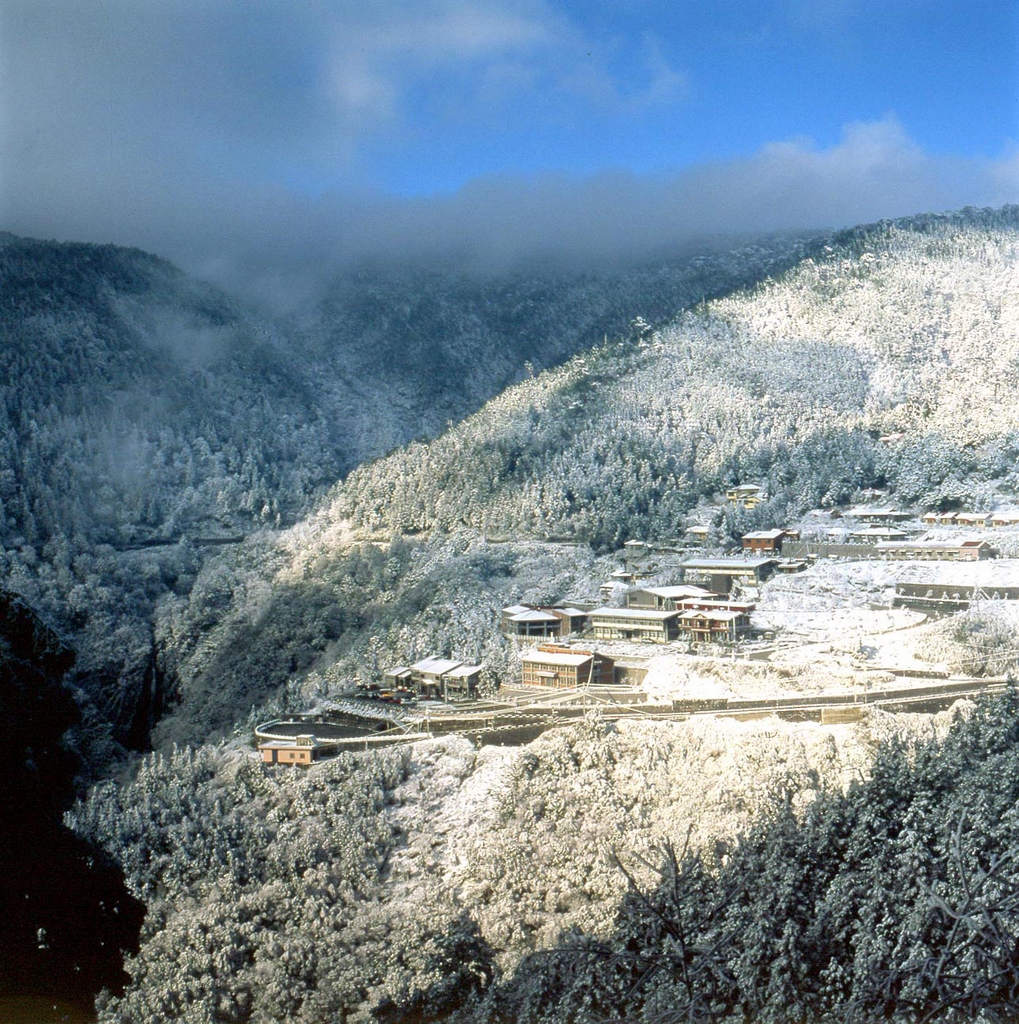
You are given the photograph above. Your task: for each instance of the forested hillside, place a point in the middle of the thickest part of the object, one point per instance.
(895, 900)
(414, 877)
(909, 327)
(402, 351)
(146, 417)
(904, 330)
(878, 357)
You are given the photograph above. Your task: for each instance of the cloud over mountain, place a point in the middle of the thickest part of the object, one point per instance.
(269, 144)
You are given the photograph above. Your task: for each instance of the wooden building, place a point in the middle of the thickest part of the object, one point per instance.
(718, 604)
(698, 535)
(565, 667)
(936, 550)
(445, 679)
(571, 620)
(763, 542)
(712, 626)
(646, 624)
(664, 598)
(719, 573)
(1005, 519)
(518, 621)
(749, 496)
(874, 534)
(870, 514)
(974, 520)
(462, 682)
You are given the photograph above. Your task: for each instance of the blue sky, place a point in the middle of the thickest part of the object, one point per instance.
(223, 131)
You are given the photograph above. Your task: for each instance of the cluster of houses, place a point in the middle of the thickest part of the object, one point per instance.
(974, 520)
(651, 614)
(700, 609)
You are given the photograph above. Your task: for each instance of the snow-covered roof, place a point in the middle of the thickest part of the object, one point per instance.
(996, 572)
(764, 535)
(680, 590)
(651, 614)
(533, 615)
(515, 609)
(866, 511)
(715, 616)
(462, 671)
(548, 658)
(726, 564)
(931, 545)
(573, 613)
(435, 666)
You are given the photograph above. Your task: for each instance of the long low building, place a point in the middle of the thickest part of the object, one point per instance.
(652, 624)
(937, 594)
(936, 550)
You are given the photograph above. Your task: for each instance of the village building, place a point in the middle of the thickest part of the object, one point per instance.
(699, 536)
(870, 514)
(571, 620)
(720, 573)
(445, 679)
(565, 667)
(942, 595)
(647, 624)
(462, 682)
(1005, 519)
(873, 534)
(300, 750)
(522, 621)
(400, 677)
(664, 598)
(764, 542)
(747, 495)
(972, 519)
(951, 551)
(718, 604)
(713, 626)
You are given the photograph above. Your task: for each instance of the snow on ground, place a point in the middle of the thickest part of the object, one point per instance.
(835, 632)
(525, 837)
